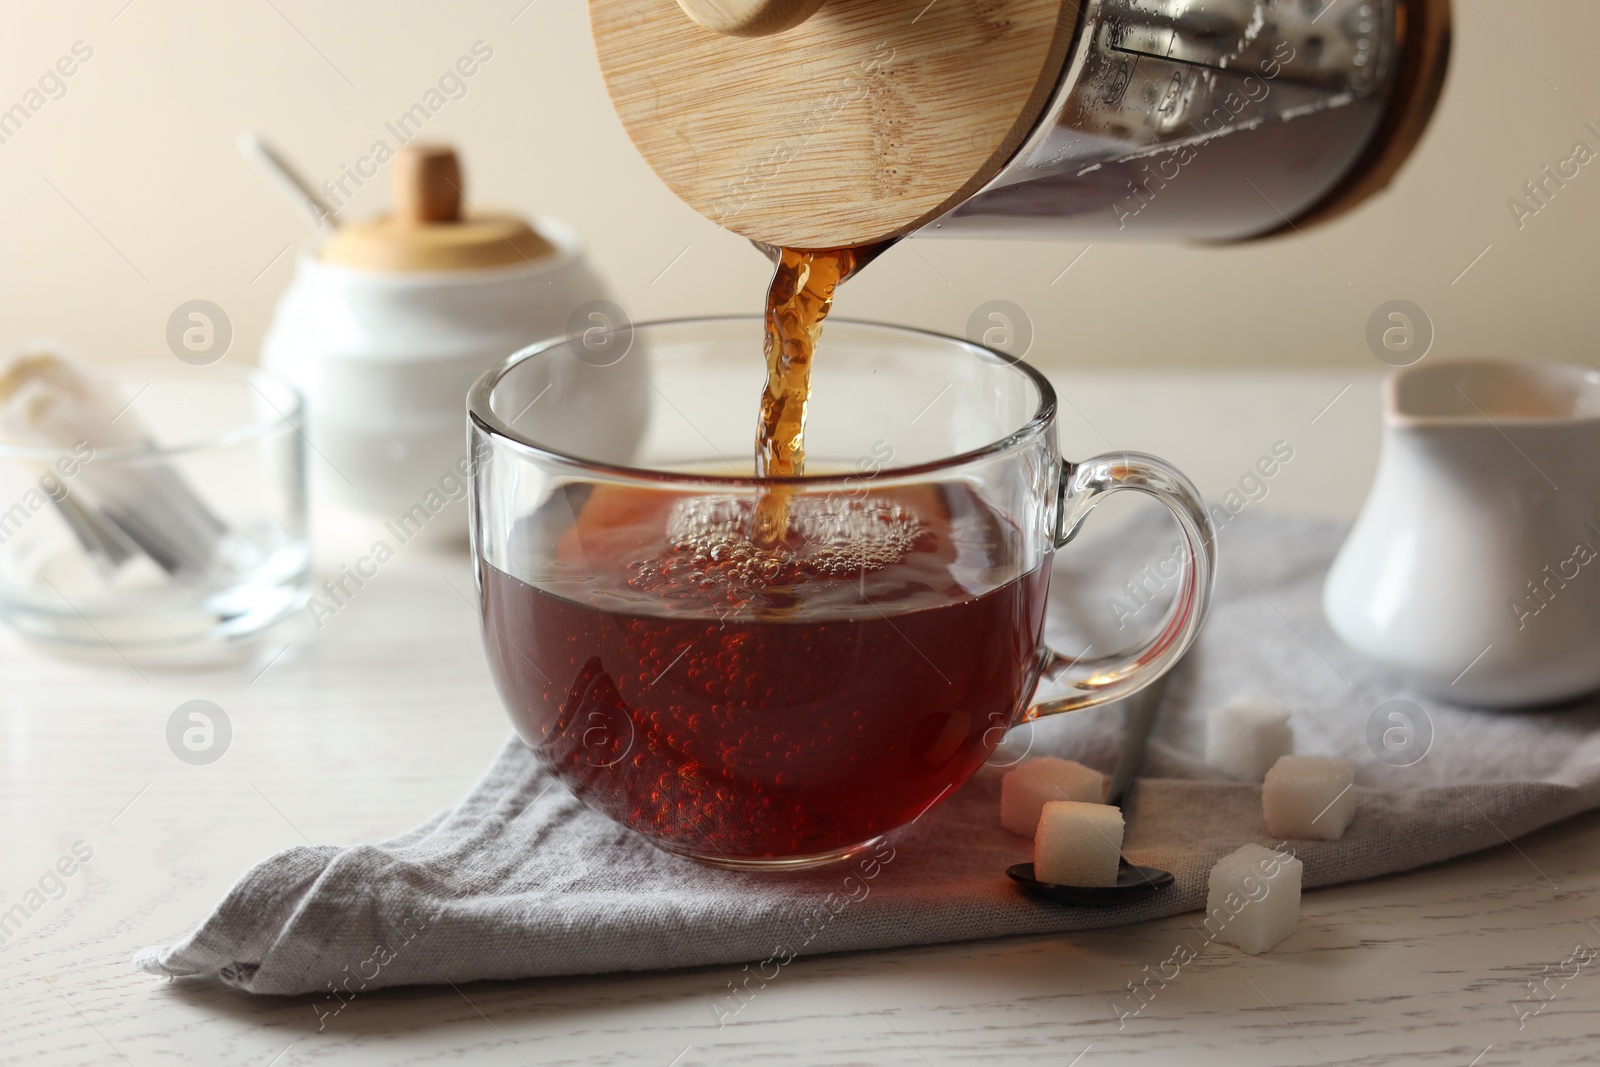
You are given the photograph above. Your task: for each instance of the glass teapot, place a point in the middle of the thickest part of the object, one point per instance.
(841, 123)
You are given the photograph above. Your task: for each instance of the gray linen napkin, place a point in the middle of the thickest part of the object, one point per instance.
(522, 880)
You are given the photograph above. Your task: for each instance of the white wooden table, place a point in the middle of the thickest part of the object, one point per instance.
(387, 714)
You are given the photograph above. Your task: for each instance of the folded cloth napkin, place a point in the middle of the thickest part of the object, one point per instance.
(520, 879)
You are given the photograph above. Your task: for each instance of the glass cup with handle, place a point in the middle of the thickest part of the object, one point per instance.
(781, 705)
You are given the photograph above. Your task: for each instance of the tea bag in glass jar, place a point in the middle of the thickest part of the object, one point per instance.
(50, 400)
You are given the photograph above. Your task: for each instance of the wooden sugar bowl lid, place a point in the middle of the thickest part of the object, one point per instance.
(859, 121)
(428, 230)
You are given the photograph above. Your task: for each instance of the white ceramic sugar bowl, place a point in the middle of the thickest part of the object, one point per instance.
(389, 324)
(1473, 573)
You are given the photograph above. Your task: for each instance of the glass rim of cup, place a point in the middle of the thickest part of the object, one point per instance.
(481, 414)
(287, 411)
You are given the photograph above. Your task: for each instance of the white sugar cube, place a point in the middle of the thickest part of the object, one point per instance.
(1309, 797)
(1078, 844)
(1027, 788)
(1253, 898)
(1246, 737)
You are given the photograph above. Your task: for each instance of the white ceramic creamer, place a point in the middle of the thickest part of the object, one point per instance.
(1473, 572)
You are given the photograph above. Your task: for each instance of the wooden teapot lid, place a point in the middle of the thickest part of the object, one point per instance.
(860, 123)
(427, 231)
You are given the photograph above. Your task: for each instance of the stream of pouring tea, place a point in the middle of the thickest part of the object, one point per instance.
(798, 300)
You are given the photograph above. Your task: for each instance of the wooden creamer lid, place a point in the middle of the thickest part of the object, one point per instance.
(863, 122)
(427, 231)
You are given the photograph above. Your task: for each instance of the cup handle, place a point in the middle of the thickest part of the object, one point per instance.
(1103, 679)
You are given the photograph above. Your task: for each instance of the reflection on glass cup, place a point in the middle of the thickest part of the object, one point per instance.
(785, 705)
(190, 540)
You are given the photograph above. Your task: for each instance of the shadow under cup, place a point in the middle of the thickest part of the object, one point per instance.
(763, 706)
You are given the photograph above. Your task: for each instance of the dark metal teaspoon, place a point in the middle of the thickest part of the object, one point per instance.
(1133, 883)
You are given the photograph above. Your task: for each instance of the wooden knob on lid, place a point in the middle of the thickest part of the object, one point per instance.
(749, 18)
(426, 184)
(428, 231)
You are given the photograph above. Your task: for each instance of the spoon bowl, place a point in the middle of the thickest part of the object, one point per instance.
(1132, 884)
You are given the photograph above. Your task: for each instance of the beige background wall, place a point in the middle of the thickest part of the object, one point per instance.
(126, 197)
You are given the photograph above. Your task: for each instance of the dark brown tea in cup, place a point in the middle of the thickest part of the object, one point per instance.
(742, 702)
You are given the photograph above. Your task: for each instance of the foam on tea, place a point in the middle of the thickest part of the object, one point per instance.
(673, 553)
(827, 537)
